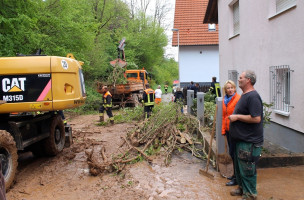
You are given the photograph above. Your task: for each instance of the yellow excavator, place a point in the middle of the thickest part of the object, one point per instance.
(34, 89)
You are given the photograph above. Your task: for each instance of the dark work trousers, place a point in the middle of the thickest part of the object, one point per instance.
(60, 112)
(231, 145)
(108, 110)
(148, 110)
(2, 185)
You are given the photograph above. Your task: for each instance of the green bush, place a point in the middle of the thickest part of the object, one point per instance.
(209, 108)
(209, 113)
(266, 113)
(209, 97)
(131, 114)
(194, 107)
(127, 115)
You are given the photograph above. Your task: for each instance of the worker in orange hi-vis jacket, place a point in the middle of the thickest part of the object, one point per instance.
(106, 105)
(148, 100)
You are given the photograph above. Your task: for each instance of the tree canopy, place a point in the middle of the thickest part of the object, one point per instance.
(90, 29)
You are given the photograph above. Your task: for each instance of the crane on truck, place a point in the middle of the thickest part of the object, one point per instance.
(128, 93)
(31, 85)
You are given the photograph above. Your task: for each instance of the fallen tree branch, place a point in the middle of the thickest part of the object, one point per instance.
(103, 154)
(141, 152)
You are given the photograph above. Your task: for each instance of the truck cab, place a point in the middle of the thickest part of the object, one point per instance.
(138, 76)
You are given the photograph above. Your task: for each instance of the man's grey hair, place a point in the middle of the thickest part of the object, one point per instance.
(251, 75)
(158, 86)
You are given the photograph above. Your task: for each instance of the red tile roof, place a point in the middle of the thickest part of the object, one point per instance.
(188, 18)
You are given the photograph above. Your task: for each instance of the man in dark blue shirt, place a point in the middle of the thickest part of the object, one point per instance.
(191, 86)
(246, 128)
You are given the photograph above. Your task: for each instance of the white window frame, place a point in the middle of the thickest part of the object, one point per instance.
(282, 5)
(235, 18)
(280, 89)
(278, 7)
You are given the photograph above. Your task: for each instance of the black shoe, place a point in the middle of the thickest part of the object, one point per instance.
(231, 177)
(232, 182)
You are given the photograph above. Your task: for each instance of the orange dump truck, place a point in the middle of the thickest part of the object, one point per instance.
(33, 90)
(128, 94)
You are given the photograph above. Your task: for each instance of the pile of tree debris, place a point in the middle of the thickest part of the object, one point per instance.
(117, 76)
(165, 131)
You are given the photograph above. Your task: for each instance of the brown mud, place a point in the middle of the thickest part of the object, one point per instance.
(66, 176)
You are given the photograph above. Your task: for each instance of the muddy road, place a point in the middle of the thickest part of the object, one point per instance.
(66, 176)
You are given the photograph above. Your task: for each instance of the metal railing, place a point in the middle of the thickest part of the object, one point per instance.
(280, 87)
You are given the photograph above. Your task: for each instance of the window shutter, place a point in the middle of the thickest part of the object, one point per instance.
(282, 5)
(236, 18)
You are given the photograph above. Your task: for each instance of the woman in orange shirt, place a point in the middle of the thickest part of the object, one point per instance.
(230, 100)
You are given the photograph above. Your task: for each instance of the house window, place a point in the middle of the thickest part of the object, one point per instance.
(280, 89)
(236, 18)
(278, 7)
(282, 5)
(233, 75)
(211, 27)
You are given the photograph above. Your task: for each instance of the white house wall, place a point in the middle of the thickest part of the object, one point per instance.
(265, 42)
(198, 63)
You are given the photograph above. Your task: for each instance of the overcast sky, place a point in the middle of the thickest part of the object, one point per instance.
(171, 52)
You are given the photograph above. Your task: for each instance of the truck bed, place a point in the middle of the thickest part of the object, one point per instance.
(126, 88)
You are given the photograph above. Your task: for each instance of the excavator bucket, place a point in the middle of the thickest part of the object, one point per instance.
(118, 62)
